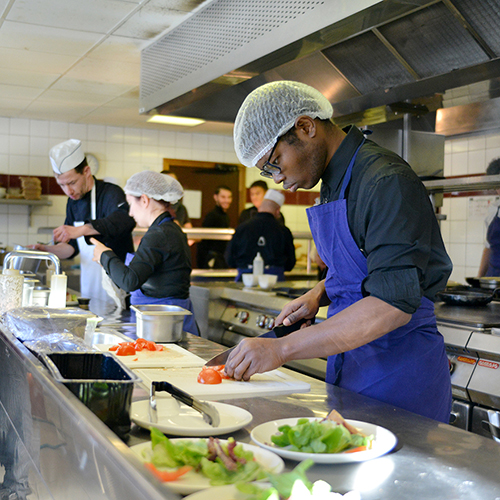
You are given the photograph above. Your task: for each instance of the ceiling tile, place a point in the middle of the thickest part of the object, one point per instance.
(97, 70)
(44, 39)
(119, 48)
(26, 78)
(18, 92)
(124, 103)
(89, 15)
(148, 23)
(14, 104)
(35, 61)
(65, 98)
(92, 87)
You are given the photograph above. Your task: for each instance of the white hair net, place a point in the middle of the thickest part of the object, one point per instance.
(269, 112)
(154, 185)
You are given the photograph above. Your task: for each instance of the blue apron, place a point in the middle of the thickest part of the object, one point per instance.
(407, 367)
(139, 298)
(493, 238)
(278, 270)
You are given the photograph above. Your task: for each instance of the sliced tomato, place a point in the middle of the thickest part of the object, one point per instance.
(219, 369)
(141, 344)
(159, 347)
(164, 475)
(126, 349)
(114, 347)
(208, 376)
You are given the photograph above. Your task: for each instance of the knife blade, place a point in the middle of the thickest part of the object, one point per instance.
(276, 332)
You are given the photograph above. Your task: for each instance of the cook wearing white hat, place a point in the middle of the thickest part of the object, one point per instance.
(95, 208)
(66, 156)
(276, 196)
(263, 233)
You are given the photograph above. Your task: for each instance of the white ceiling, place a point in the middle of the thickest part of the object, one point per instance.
(79, 60)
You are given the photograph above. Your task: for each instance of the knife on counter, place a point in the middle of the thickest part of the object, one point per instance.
(276, 332)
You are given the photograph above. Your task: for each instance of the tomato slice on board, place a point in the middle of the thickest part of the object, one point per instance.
(164, 475)
(208, 376)
(114, 347)
(126, 350)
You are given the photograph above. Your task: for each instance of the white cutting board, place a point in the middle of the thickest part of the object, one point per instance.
(272, 383)
(172, 355)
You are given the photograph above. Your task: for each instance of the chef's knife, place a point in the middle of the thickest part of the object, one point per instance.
(209, 412)
(276, 332)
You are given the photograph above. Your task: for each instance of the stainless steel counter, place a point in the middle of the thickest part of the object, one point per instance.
(71, 454)
(431, 459)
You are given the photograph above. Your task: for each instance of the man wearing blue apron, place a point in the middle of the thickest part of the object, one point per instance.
(376, 231)
(263, 233)
(94, 208)
(490, 260)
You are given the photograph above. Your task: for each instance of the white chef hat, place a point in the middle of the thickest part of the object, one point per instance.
(269, 112)
(276, 196)
(66, 155)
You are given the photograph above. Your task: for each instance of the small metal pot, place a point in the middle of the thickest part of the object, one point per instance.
(160, 323)
(41, 296)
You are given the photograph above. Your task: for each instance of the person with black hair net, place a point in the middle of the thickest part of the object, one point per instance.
(490, 260)
(160, 270)
(376, 231)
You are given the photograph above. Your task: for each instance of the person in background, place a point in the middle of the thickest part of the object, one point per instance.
(159, 271)
(180, 211)
(258, 190)
(376, 231)
(210, 253)
(94, 208)
(264, 234)
(490, 260)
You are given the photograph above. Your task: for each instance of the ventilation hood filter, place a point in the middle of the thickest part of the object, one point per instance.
(228, 34)
(433, 42)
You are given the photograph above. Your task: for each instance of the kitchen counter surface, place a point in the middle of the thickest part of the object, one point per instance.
(431, 459)
(78, 452)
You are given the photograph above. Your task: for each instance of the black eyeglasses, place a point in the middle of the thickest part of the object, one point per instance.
(269, 169)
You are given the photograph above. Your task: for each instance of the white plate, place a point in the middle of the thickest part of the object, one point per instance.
(171, 356)
(383, 443)
(194, 481)
(180, 420)
(227, 492)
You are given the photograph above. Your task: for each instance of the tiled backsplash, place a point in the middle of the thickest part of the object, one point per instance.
(24, 147)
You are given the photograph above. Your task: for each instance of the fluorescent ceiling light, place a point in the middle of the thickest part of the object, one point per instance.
(176, 120)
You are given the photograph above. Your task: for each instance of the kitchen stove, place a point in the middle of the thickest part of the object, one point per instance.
(473, 350)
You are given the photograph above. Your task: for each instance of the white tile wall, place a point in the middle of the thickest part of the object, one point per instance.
(462, 233)
(25, 145)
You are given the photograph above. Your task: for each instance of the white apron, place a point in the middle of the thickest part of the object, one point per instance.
(90, 271)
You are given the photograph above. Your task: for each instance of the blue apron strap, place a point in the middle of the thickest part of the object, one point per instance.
(348, 174)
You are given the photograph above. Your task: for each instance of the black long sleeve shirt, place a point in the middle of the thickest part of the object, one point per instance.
(161, 266)
(392, 222)
(112, 220)
(264, 234)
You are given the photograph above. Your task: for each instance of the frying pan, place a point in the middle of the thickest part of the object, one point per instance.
(470, 297)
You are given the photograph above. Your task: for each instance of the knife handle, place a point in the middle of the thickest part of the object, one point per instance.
(282, 330)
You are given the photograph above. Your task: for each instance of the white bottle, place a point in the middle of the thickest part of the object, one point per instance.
(58, 286)
(258, 265)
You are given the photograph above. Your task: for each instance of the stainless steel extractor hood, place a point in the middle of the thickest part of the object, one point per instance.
(373, 60)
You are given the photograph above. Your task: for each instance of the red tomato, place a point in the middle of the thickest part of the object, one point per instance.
(114, 347)
(141, 344)
(220, 370)
(164, 475)
(126, 349)
(209, 376)
(159, 347)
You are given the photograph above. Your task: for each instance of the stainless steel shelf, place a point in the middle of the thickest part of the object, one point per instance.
(473, 183)
(29, 203)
